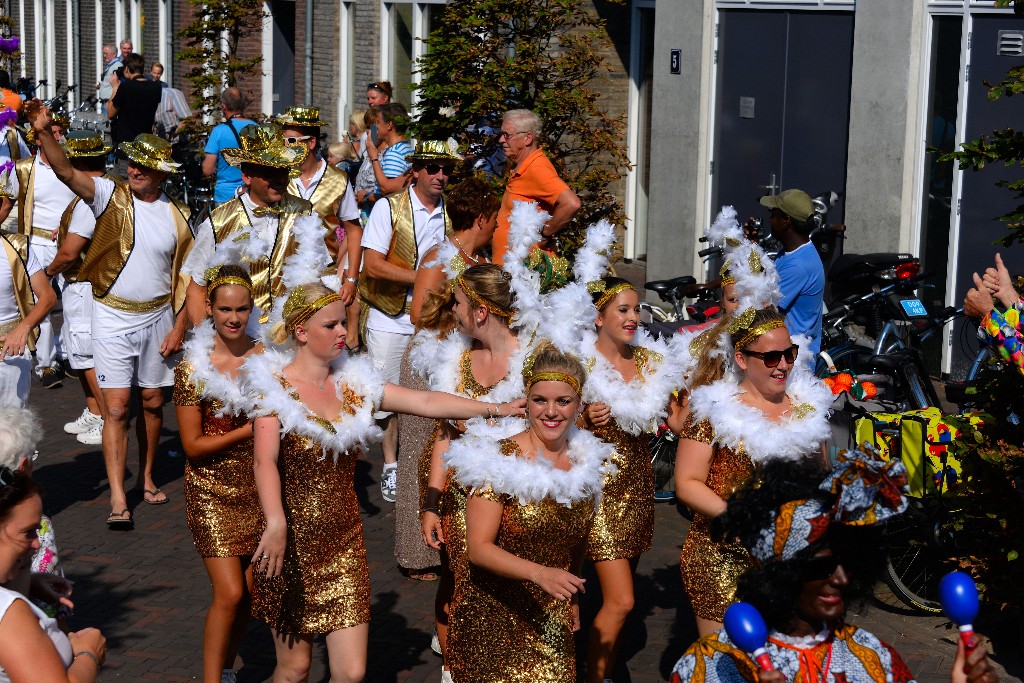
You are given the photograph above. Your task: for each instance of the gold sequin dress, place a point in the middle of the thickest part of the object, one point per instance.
(325, 584)
(510, 630)
(710, 569)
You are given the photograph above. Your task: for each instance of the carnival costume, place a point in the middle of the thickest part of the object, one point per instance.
(221, 504)
(510, 630)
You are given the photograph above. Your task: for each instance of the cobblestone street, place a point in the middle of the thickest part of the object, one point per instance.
(147, 591)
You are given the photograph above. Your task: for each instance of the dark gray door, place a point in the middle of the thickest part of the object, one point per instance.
(981, 201)
(783, 105)
(283, 67)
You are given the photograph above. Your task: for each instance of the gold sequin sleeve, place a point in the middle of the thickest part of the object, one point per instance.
(701, 431)
(185, 392)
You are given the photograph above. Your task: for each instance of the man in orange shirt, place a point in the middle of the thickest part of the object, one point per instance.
(9, 98)
(532, 179)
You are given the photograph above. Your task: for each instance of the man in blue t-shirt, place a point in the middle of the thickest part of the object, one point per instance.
(225, 136)
(801, 274)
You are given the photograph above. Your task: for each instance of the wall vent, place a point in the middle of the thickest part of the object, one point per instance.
(1010, 44)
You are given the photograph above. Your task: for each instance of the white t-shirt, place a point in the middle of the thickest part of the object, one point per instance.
(264, 231)
(49, 626)
(8, 300)
(83, 224)
(147, 274)
(429, 226)
(347, 208)
(50, 197)
(5, 149)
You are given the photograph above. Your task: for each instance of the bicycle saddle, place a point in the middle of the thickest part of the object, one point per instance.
(695, 291)
(663, 287)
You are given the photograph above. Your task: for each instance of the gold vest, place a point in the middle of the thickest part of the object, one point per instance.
(114, 239)
(16, 251)
(12, 144)
(23, 169)
(71, 274)
(230, 218)
(326, 199)
(385, 295)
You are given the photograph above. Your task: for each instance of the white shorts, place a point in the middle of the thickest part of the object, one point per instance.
(133, 358)
(386, 350)
(76, 333)
(15, 380)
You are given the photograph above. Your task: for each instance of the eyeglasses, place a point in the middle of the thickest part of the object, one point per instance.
(434, 169)
(772, 358)
(294, 140)
(505, 135)
(820, 568)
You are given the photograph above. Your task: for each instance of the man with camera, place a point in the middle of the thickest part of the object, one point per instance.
(132, 106)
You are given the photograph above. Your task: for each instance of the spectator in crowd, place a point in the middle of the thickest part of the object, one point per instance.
(378, 94)
(156, 73)
(532, 179)
(365, 183)
(342, 155)
(132, 106)
(225, 136)
(8, 98)
(139, 317)
(12, 144)
(173, 108)
(400, 230)
(126, 49)
(389, 166)
(1000, 330)
(357, 130)
(801, 274)
(111, 63)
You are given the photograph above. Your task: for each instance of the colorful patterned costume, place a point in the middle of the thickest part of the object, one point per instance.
(844, 655)
(1003, 333)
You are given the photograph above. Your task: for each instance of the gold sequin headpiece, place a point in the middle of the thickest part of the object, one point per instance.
(296, 303)
(725, 275)
(743, 322)
(229, 280)
(609, 292)
(530, 377)
(480, 301)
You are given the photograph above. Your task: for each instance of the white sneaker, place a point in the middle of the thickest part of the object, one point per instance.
(389, 483)
(93, 437)
(435, 644)
(228, 676)
(84, 423)
(446, 675)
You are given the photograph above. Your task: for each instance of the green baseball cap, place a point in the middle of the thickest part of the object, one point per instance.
(794, 203)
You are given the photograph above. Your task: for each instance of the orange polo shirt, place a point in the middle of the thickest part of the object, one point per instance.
(11, 100)
(533, 180)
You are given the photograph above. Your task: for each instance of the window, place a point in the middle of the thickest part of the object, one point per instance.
(405, 26)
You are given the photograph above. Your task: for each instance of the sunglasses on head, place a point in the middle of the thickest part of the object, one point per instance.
(772, 358)
(434, 169)
(820, 568)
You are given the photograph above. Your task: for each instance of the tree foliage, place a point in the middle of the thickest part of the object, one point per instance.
(211, 52)
(1006, 146)
(489, 56)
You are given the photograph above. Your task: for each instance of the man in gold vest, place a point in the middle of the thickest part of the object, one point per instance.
(254, 228)
(400, 230)
(134, 265)
(88, 154)
(333, 200)
(41, 199)
(25, 300)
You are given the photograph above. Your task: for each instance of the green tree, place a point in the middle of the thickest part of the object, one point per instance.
(489, 56)
(211, 52)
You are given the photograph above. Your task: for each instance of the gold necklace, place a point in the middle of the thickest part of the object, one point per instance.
(321, 387)
(463, 250)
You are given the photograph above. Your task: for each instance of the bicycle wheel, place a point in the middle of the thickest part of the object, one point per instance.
(914, 566)
(847, 358)
(917, 393)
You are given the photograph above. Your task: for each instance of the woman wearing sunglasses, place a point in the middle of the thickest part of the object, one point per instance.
(766, 409)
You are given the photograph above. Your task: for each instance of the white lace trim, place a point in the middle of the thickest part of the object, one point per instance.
(210, 382)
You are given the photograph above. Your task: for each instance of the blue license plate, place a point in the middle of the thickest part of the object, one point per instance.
(914, 308)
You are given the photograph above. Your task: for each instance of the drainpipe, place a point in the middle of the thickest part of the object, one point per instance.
(309, 53)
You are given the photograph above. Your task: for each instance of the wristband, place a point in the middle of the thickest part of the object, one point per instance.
(430, 509)
(89, 655)
(375, 161)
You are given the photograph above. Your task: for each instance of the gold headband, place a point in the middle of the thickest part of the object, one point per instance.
(611, 293)
(725, 275)
(306, 311)
(763, 328)
(552, 376)
(228, 280)
(480, 301)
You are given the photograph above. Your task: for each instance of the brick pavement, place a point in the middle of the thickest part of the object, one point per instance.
(146, 589)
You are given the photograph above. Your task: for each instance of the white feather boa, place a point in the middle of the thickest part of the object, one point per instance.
(640, 404)
(211, 383)
(737, 424)
(478, 461)
(753, 290)
(438, 361)
(525, 224)
(267, 397)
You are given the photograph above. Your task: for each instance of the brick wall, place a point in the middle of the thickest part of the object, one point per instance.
(59, 50)
(367, 53)
(87, 49)
(151, 34)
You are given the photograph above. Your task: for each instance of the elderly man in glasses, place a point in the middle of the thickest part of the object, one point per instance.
(401, 228)
(532, 179)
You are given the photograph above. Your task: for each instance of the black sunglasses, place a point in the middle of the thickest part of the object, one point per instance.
(374, 86)
(772, 358)
(434, 169)
(820, 568)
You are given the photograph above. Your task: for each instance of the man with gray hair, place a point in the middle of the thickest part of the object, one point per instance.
(225, 136)
(532, 179)
(111, 63)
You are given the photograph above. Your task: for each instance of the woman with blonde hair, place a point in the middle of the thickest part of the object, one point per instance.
(221, 505)
(314, 412)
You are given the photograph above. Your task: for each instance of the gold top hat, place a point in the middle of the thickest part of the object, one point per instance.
(85, 143)
(263, 145)
(308, 117)
(150, 151)
(60, 118)
(436, 150)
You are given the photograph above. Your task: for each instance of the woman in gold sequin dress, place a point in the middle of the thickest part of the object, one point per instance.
(777, 409)
(222, 509)
(314, 412)
(481, 359)
(628, 394)
(531, 501)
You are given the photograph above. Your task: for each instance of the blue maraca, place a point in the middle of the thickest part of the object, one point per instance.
(745, 626)
(959, 598)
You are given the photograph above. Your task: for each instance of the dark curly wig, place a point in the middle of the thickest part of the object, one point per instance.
(773, 587)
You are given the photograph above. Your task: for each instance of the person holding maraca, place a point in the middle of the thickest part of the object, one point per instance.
(811, 541)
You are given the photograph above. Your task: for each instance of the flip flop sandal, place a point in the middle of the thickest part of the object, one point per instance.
(154, 492)
(117, 521)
